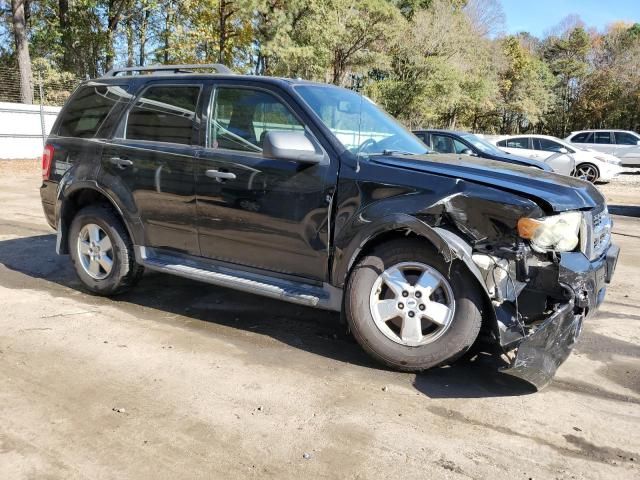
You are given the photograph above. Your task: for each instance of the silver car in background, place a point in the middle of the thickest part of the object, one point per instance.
(555, 155)
(624, 144)
(587, 164)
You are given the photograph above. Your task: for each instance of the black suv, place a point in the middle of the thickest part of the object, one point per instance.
(311, 194)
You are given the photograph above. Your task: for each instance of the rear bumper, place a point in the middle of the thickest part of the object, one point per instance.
(48, 196)
(540, 353)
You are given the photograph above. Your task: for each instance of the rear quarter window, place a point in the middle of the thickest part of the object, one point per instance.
(624, 138)
(88, 109)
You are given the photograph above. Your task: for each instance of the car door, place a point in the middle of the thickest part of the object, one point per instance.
(520, 146)
(602, 141)
(254, 211)
(150, 163)
(559, 157)
(627, 148)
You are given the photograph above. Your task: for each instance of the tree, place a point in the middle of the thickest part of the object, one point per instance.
(566, 56)
(357, 30)
(441, 71)
(19, 21)
(284, 36)
(211, 31)
(115, 9)
(525, 88)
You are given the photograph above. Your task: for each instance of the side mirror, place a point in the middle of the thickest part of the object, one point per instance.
(638, 142)
(294, 146)
(468, 151)
(563, 150)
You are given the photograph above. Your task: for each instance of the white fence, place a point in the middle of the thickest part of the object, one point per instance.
(22, 129)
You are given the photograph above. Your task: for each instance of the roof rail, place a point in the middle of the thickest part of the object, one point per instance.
(218, 67)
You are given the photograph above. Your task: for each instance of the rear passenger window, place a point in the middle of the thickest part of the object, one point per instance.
(603, 137)
(164, 114)
(88, 110)
(581, 138)
(522, 142)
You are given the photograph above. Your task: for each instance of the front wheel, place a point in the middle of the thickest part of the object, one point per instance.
(587, 171)
(410, 309)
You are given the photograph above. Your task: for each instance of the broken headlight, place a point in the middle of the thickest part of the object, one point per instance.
(560, 233)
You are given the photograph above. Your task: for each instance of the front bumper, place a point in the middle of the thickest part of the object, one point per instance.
(608, 171)
(541, 352)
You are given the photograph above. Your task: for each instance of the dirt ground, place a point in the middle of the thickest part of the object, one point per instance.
(182, 380)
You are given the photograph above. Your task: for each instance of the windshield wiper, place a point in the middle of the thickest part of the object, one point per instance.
(401, 152)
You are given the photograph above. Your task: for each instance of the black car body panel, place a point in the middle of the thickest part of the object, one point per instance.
(366, 208)
(307, 224)
(559, 193)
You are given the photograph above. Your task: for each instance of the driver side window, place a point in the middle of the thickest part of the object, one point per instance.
(442, 144)
(241, 118)
(460, 147)
(546, 145)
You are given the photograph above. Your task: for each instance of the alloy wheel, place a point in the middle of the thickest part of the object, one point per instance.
(587, 172)
(412, 304)
(95, 251)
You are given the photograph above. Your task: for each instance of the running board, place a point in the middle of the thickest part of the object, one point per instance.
(326, 297)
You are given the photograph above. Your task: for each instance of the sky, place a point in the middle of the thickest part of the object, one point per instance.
(538, 16)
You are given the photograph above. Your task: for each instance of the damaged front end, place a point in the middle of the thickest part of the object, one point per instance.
(541, 298)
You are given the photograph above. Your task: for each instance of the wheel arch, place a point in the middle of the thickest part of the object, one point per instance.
(73, 199)
(449, 244)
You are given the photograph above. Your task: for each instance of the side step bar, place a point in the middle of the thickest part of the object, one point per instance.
(326, 297)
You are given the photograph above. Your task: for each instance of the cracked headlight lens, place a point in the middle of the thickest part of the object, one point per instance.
(560, 233)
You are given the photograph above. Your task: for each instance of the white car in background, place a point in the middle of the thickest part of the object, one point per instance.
(624, 144)
(589, 165)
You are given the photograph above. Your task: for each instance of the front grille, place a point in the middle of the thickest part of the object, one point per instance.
(597, 233)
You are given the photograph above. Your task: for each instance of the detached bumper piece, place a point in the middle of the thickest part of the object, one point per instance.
(540, 353)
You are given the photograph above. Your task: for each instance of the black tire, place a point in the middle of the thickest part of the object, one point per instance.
(465, 324)
(125, 272)
(590, 167)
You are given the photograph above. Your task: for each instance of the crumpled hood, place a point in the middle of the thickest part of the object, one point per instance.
(558, 192)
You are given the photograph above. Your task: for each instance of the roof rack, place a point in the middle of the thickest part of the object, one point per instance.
(218, 67)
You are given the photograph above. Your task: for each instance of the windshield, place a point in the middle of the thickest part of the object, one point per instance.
(358, 123)
(482, 144)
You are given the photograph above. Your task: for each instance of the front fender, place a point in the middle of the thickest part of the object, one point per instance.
(450, 245)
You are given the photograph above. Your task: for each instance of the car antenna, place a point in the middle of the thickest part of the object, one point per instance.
(359, 130)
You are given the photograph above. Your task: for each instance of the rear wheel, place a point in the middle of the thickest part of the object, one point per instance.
(410, 309)
(102, 252)
(587, 171)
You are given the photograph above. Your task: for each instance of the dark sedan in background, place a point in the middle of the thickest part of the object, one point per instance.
(464, 143)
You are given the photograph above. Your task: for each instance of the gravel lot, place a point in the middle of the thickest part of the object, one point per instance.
(182, 380)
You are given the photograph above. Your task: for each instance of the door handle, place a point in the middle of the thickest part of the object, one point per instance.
(121, 163)
(217, 174)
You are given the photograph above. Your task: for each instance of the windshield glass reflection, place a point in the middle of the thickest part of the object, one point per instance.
(358, 123)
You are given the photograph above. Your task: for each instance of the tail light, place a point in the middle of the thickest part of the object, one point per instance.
(47, 160)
